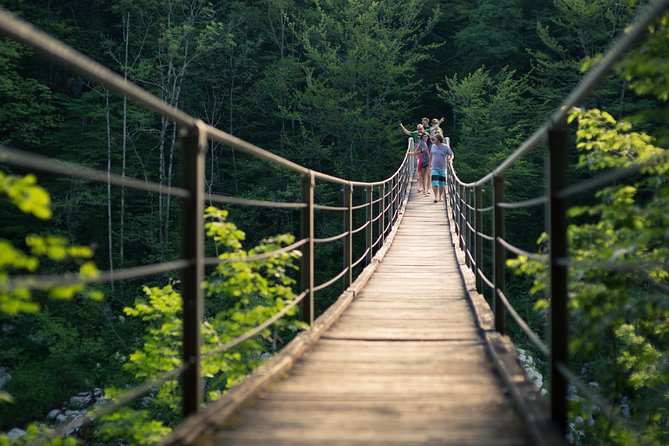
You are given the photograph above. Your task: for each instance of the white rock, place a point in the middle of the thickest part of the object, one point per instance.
(5, 376)
(74, 425)
(265, 356)
(625, 408)
(53, 414)
(81, 400)
(15, 434)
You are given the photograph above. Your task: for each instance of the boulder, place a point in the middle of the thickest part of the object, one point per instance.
(15, 434)
(81, 400)
(5, 376)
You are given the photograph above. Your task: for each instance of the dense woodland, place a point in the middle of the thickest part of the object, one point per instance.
(322, 83)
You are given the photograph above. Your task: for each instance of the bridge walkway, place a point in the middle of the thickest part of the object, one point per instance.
(405, 364)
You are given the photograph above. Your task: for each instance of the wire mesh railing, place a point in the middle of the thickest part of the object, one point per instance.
(468, 208)
(381, 207)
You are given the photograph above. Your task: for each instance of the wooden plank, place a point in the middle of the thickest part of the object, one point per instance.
(405, 364)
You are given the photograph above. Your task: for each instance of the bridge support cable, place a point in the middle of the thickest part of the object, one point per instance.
(193, 150)
(478, 224)
(557, 230)
(499, 253)
(307, 232)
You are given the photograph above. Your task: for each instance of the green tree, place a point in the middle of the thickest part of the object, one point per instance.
(493, 36)
(241, 295)
(576, 30)
(362, 60)
(617, 281)
(27, 104)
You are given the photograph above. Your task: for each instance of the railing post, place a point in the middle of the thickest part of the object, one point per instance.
(451, 187)
(396, 198)
(307, 232)
(405, 181)
(499, 251)
(557, 214)
(412, 161)
(193, 149)
(391, 205)
(348, 240)
(461, 217)
(369, 231)
(479, 240)
(382, 219)
(468, 231)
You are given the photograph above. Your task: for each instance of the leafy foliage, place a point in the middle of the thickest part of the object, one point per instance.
(617, 281)
(26, 195)
(241, 294)
(321, 83)
(27, 104)
(36, 434)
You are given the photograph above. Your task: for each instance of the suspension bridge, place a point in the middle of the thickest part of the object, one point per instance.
(403, 359)
(411, 352)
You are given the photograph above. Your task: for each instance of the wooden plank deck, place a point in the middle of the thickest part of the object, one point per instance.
(405, 364)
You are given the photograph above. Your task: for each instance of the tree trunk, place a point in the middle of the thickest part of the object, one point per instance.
(109, 194)
(124, 139)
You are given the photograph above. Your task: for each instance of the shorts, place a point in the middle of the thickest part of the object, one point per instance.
(438, 177)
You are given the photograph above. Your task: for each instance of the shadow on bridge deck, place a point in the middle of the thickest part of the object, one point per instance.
(412, 360)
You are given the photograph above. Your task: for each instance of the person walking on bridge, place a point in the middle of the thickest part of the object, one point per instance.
(415, 135)
(423, 153)
(419, 129)
(434, 127)
(440, 153)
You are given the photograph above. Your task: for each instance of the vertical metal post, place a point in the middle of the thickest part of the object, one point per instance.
(468, 232)
(391, 209)
(382, 220)
(193, 148)
(557, 214)
(348, 240)
(307, 232)
(369, 231)
(454, 201)
(465, 229)
(479, 240)
(461, 217)
(407, 179)
(396, 197)
(499, 251)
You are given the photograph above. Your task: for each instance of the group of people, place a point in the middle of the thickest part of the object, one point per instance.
(432, 151)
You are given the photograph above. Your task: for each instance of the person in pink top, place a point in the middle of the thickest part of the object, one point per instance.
(422, 153)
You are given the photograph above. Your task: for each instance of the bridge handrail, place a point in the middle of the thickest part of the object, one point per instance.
(194, 137)
(467, 209)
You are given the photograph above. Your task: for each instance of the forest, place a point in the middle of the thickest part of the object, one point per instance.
(322, 83)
